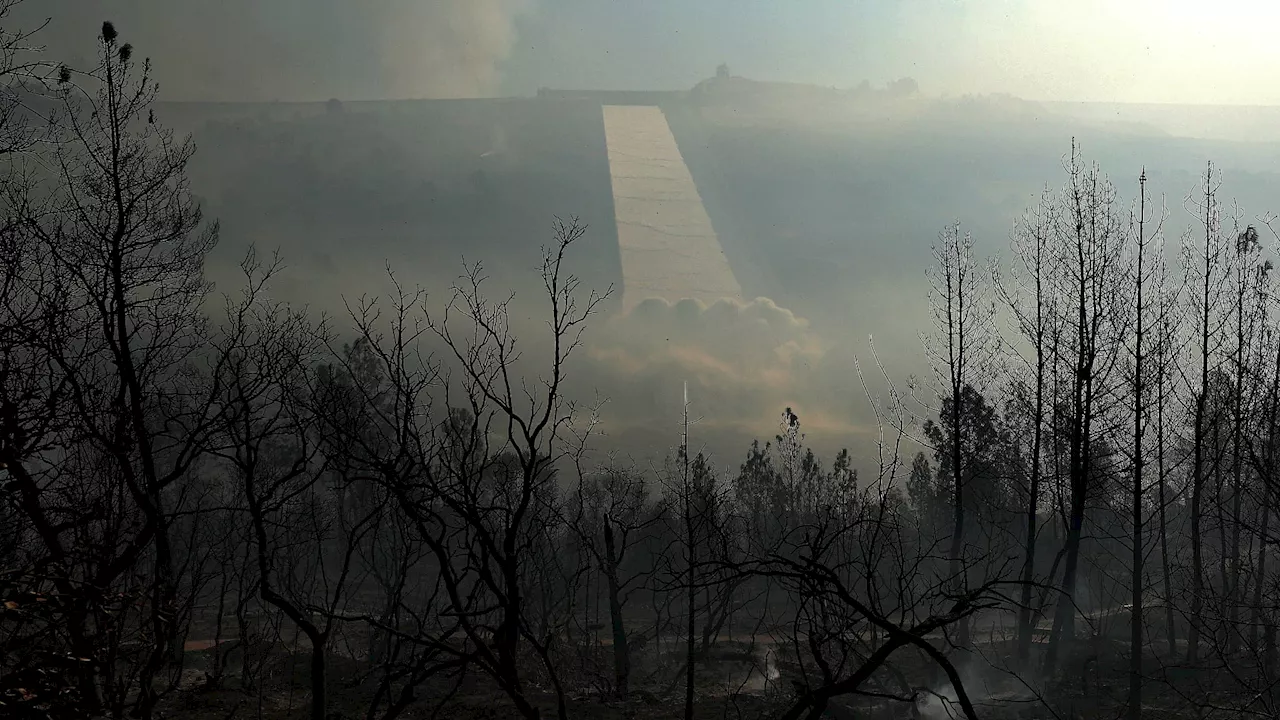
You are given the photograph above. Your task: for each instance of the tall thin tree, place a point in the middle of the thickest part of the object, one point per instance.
(1029, 298)
(961, 352)
(1089, 239)
(1206, 264)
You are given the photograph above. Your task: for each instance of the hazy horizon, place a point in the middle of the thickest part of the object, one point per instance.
(825, 358)
(1144, 51)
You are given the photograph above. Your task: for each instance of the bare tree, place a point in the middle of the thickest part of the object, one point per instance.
(122, 242)
(1163, 356)
(696, 514)
(610, 514)
(1248, 315)
(1146, 271)
(305, 534)
(1030, 300)
(692, 519)
(860, 592)
(1089, 238)
(478, 487)
(28, 82)
(962, 352)
(1206, 267)
(1262, 453)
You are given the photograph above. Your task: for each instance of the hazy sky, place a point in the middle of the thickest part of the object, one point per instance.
(1222, 51)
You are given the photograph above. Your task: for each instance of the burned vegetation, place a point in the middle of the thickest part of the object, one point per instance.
(222, 505)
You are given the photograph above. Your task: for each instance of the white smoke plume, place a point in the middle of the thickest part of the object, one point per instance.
(445, 48)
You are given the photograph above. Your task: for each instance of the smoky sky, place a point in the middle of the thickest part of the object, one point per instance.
(264, 50)
(1164, 51)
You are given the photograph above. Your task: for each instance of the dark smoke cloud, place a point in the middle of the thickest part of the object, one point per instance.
(265, 50)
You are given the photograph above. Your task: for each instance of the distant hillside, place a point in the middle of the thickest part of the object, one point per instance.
(344, 189)
(823, 198)
(1243, 123)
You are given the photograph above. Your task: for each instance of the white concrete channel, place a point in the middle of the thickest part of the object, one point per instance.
(668, 246)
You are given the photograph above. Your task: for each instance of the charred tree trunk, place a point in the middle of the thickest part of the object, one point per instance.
(690, 621)
(1267, 476)
(1219, 507)
(1171, 629)
(958, 529)
(1260, 579)
(621, 652)
(1025, 615)
(317, 638)
(1246, 244)
(1135, 613)
(1091, 233)
(1204, 308)
(1064, 615)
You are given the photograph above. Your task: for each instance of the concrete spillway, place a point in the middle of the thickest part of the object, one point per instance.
(668, 247)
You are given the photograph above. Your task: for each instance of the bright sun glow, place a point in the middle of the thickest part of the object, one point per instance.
(1130, 50)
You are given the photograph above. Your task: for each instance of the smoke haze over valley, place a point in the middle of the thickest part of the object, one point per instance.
(825, 201)
(591, 358)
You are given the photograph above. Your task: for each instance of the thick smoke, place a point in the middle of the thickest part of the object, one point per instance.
(445, 48)
(264, 50)
(743, 362)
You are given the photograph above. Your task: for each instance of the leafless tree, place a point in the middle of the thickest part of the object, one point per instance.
(1262, 458)
(478, 486)
(1247, 278)
(1028, 295)
(859, 592)
(962, 351)
(610, 513)
(697, 514)
(1089, 239)
(1146, 271)
(1206, 265)
(305, 532)
(1165, 351)
(122, 244)
(28, 82)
